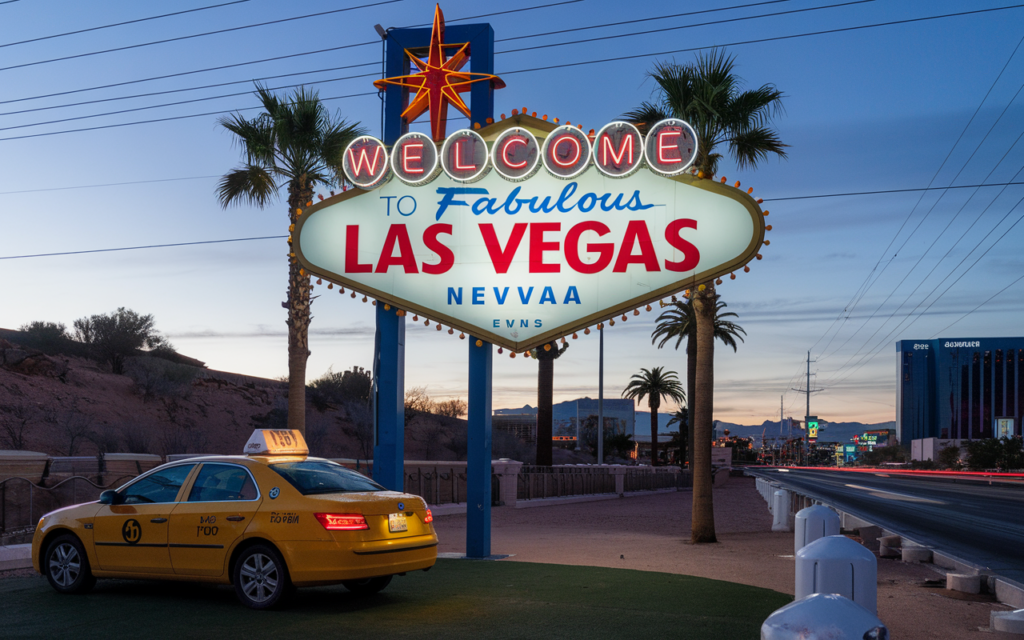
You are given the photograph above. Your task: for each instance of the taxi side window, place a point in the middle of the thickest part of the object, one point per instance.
(222, 483)
(162, 486)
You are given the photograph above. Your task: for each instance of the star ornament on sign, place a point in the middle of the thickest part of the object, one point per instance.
(439, 81)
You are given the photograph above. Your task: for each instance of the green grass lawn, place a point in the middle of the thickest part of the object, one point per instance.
(456, 599)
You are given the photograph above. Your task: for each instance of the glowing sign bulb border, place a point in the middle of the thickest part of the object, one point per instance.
(583, 148)
(428, 173)
(499, 148)
(640, 159)
(456, 137)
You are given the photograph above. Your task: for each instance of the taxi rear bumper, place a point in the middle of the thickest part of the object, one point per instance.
(323, 562)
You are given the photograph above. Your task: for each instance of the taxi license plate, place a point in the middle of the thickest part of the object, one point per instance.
(396, 522)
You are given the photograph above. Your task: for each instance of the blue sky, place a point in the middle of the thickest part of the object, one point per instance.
(865, 110)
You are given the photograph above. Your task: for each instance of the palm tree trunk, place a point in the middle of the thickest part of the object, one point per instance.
(653, 406)
(299, 289)
(691, 390)
(545, 384)
(703, 523)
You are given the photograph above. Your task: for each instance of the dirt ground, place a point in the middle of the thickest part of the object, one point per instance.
(652, 533)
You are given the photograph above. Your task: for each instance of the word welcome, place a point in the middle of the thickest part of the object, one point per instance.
(617, 150)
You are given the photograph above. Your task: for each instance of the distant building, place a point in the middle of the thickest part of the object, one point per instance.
(521, 425)
(959, 389)
(619, 416)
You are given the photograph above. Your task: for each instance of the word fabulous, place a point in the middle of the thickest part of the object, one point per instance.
(618, 150)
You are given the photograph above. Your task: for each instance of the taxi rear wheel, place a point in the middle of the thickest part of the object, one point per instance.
(67, 567)
(261, 578)
(368, 586)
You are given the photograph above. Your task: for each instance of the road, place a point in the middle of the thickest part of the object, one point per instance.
(976, 521)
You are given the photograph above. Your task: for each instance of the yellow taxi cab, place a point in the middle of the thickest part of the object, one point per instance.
(266, 522)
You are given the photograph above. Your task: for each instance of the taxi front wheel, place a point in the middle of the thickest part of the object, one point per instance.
(367, 587)
(261, 578)
(67, 566)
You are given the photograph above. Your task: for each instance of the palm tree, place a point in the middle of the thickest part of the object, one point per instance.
(681, 418)
(294, 143)
(706, 93)
(545, 357)
(655, 384)
(678, 322)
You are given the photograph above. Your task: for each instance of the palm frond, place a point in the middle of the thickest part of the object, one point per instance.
(249, 184)
(752, 147)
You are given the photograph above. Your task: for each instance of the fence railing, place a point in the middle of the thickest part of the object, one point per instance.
(22, 502)
(646, 479)
(557, 482)
(437, 485)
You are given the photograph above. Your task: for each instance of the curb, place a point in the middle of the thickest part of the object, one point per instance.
(16, 556)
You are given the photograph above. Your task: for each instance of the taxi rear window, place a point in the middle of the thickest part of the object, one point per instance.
(312, 477)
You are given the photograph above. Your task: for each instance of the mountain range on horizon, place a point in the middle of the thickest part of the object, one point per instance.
(830, 431)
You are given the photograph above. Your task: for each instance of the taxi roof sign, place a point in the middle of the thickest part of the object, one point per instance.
(276, 442)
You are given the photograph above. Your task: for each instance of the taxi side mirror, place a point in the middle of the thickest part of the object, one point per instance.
(111, 497)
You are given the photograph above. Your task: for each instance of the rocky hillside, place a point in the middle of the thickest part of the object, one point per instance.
(64, 405)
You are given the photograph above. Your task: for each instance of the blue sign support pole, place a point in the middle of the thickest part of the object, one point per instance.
(389, 417)
(478, 471)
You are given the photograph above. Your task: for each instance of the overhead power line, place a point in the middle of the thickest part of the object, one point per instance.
(568, 65)
(286, 57)
(376, 63)
(148, 246)
(121, 24)
(884, 191)
(868, 283)
(686, 26)
(197, 35)
(771, 39)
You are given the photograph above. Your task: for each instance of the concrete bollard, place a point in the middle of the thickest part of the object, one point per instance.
(780, 512)
(836, 564)
(812, 523)
(963, 582)
(823, 616)
(1005, 621)
(889, 547)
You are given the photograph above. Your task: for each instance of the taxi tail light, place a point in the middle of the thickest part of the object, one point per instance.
(342, 521)
(429, 517)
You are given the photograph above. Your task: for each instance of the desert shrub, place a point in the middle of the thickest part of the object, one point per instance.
(992, 453)
(416, 399)
(334, 389)
(14, 429)
(114, 337)
(135, 439)
(106, 440)
(949, 458)
(157, 378)
(358, 425)
(452, 408)
(52, 338)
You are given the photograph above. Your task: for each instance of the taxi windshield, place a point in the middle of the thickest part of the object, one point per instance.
(313, 477)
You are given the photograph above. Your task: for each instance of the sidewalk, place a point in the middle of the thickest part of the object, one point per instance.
(652, 533)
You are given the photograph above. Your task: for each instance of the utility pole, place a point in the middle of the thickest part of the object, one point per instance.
(808, 390)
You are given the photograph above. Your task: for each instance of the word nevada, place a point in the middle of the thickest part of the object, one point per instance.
(618, 150)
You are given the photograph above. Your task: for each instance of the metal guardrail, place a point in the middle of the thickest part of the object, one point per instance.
(23, 502)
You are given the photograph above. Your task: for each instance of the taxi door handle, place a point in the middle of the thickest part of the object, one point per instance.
(158, 520)
(235, 518)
